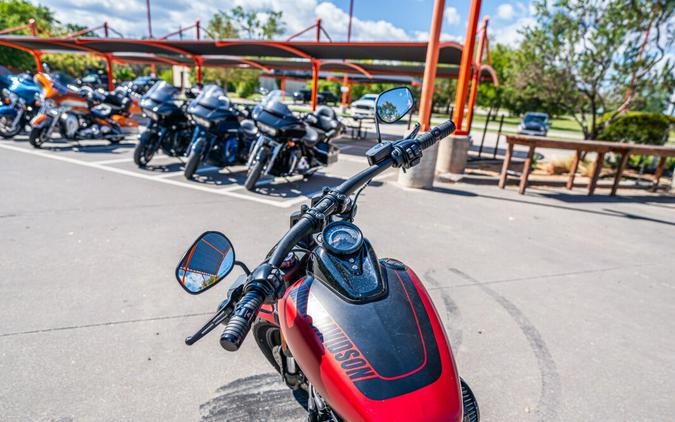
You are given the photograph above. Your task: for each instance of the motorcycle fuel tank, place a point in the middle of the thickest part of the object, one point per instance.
(381, 356)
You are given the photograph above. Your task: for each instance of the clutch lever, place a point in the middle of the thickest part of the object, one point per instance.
(225, 310)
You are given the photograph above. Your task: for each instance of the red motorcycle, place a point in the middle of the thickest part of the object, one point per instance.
(359, 335)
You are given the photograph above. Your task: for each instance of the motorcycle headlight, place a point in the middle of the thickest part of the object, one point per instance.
(151, 114)
(201, 121)
(267, 129)
(50, 103)
(52, 112)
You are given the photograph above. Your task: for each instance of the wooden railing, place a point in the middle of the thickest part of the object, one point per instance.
(599, 147)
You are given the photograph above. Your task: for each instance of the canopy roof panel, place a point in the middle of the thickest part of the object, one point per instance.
(450, 52)
(391, 58)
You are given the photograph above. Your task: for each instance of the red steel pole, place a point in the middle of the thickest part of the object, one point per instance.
(476, 72)
(109, 62)
(465, 66)
(318, 29)
(315, 81)
(430, 67)
(105, 29)
(345, 78)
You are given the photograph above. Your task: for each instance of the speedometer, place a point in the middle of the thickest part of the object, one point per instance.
(342, 238)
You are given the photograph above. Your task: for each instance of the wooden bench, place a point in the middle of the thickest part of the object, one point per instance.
(599, 147)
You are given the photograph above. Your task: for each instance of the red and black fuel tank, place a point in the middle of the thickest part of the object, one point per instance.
(382, 359)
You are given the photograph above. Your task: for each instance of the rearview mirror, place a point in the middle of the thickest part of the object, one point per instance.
(393, 104)
(207, 262)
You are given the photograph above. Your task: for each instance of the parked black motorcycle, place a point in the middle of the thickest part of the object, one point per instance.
(170, 129)
(358, 336)
(219, 137)
(287, 144)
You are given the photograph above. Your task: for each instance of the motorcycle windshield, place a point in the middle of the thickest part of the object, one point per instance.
(272, 104)
(213, 96)
(161, 92)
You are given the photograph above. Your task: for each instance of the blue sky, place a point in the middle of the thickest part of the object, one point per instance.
(381, 20)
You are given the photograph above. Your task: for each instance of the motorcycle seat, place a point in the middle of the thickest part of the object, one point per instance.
(249, 128)
(102, 111)
(311, 137)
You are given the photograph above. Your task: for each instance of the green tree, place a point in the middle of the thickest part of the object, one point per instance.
(490, 95)
(16, 13)
(239, 23)
(582, 55)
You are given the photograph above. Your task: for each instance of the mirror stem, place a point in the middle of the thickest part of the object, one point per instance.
(243, 267)
(377, 128)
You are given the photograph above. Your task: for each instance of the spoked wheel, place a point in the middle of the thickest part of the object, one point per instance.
(471, 412)
(143, 154)
(38, 136)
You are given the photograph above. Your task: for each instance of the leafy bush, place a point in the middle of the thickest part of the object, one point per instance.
(641, 128)
(246, 87)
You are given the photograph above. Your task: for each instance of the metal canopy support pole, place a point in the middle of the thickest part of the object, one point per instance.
(38, 61)
(465, 66)
(147, 4)
(315, 81)
(318, 29)
(109, 62)
(198, 62)
(476, 72)
(198, 29)
(430, 67)
(422, 175)
(105, 30)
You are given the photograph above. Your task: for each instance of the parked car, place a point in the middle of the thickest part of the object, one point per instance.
(305, 96)
(535, 124)
(327, 97)
(364, 106)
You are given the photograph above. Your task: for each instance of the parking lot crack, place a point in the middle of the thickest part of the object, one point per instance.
(105, 324)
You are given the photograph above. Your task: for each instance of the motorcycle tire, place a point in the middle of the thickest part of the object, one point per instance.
(8, 134)
(471, 412)
(267, 336)
(143, 154)
(254, 174)
(192, 164)
(35, 137)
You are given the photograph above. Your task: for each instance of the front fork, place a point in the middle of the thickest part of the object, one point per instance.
(261, 142)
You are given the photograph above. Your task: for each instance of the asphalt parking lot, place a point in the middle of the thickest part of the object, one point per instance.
(558, 306)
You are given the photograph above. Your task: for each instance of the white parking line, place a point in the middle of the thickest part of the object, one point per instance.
(223, 192)
(118, 160)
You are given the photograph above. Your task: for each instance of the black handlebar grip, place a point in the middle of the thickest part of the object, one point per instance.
(436, 134)
(240, 322)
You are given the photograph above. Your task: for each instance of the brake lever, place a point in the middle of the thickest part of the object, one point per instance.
(224, 311)
(415, 131)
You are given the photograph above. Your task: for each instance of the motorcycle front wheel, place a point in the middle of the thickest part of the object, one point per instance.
(256, 170)
(143, 153)
(37, 136)
(5, 131)
(193, 161)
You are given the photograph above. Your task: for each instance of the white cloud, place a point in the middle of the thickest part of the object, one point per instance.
(510, 35)
(451, 15)
(424, 36)
(336, 21)
(506, 11)
(129, 17)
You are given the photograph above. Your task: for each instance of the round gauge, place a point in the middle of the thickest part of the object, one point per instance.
(342, 238)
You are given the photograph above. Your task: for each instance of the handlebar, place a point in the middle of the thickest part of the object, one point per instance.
(404, 153)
